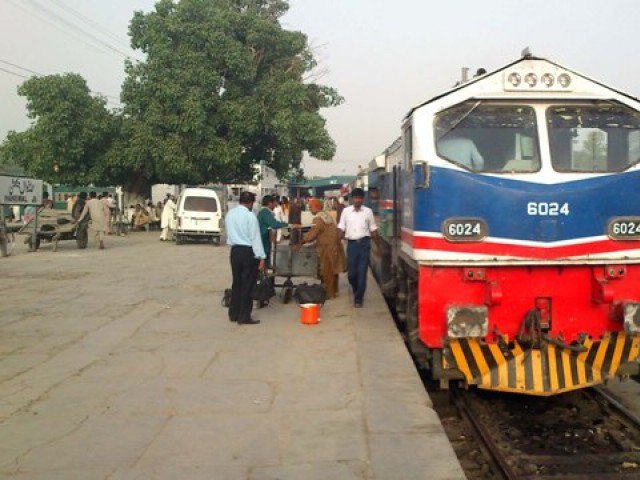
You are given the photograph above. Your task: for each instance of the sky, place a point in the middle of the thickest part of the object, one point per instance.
(383, 57)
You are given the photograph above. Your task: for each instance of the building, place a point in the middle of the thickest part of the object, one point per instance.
(265, 182)
(321, 187)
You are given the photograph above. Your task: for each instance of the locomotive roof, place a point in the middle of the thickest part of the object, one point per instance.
(509, 65)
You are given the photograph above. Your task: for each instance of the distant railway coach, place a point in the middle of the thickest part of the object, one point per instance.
(510, 212)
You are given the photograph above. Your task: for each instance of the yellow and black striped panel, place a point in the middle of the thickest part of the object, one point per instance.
(545, 371)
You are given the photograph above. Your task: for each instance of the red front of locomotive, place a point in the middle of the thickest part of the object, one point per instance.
(532, 329)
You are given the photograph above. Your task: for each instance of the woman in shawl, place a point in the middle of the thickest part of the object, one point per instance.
(330, 252)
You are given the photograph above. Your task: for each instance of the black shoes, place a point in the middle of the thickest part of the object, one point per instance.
(251, 321)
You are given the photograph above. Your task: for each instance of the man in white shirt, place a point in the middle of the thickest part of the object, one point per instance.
(278, 214)
(358, 226)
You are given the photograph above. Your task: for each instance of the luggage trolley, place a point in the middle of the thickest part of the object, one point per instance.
(289, 264)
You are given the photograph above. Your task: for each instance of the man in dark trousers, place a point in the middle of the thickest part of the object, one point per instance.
(247, 257)
(358, 226)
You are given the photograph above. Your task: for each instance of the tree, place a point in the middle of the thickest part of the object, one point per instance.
(71, 133)
(222, 88)
(591, 152)
(296, 175)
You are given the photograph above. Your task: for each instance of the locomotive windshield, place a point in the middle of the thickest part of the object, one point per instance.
(593, 138)
(489, 137)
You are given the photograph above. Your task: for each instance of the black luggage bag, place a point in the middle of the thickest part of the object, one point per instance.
(306, 293)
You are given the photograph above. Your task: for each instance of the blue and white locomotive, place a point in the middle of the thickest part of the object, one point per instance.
(510, 213)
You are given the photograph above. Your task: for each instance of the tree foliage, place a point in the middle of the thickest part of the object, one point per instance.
(222, 87)
(71, 133)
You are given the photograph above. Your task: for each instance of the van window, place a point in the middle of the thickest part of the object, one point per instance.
(200, 204)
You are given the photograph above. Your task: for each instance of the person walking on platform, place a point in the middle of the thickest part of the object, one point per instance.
(247, 257)
(78, 206)
(330, 251)
(358, 226)
(107, 212)
(268, 223)
(167, 219)
(98, 223)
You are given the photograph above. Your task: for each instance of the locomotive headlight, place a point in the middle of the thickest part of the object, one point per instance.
(514, 79)
(531, 79)
(547, 80)
(564, 80)
(467, 321)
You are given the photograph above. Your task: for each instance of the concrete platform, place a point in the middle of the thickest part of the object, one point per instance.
(121, 364)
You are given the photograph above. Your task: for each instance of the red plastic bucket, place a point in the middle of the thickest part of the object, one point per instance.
(309, 313)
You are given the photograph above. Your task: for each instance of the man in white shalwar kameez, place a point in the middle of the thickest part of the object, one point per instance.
(167, 222)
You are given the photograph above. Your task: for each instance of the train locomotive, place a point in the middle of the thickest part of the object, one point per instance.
(509, 210)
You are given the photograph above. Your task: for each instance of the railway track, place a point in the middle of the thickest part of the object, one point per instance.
(581, 435)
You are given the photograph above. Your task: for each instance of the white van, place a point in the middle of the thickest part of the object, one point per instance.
(198, 215)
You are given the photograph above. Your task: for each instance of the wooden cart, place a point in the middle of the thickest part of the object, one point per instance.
(54, 226)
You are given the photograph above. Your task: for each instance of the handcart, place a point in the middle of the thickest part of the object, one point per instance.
(55, 225)
(7, 235)
(288, 263)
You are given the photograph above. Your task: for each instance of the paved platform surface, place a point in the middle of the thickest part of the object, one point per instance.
(121, 364)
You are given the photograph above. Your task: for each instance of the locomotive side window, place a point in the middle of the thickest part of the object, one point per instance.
(599, 138)
(494, 138)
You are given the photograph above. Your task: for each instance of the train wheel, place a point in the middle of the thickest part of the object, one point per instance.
(401, 296)
(287, 293)
(411, 322)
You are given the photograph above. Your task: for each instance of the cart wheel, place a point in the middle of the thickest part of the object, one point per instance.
(287, 293)
(30, 243)
(82, 238)
(261, 304)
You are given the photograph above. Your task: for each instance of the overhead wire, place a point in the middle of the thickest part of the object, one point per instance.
(54, 25)
(109, 98)
(87, 20)
(19, 67)
(62, 24)
(74, 26)
(13, 73)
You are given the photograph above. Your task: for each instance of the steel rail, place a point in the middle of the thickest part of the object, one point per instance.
(617, 406)
(496, 455)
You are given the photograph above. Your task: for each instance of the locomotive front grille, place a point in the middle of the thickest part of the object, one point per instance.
(548, 370)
